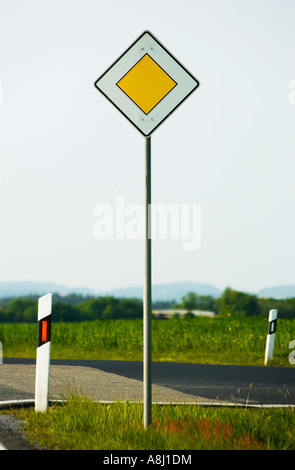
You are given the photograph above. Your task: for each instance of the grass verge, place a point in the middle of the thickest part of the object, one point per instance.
(81, 424)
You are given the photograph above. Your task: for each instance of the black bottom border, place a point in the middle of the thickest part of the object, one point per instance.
(143, 458)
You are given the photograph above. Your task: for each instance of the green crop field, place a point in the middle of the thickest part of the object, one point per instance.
(219, 340)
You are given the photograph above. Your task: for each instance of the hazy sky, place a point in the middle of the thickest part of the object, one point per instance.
(230, 147)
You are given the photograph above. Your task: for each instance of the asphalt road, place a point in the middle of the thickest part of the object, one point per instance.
(12, 436)
(235, 384)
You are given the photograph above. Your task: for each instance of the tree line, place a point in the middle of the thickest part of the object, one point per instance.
(75, 308)
(237, 303)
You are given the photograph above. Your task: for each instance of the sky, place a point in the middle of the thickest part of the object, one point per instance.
(229, 148)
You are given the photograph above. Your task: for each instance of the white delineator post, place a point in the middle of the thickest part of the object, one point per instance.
(43, 353)
(270, 339)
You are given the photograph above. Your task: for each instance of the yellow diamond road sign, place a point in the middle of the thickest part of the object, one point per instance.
(146, 83)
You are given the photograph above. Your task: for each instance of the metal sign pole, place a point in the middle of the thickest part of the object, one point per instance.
(147, 300)
(141, 82)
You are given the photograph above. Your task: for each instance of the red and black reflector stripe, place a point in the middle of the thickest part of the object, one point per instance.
(44, 330)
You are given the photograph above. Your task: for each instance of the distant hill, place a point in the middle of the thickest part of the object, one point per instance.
(24, 288)
(173, 291)
(279, 292)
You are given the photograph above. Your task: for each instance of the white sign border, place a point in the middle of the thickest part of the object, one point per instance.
(146, 44)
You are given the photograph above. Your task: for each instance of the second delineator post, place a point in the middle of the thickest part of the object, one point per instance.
(270, 339)
(147, 294)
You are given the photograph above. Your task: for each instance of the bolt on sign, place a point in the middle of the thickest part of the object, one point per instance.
(146, 83)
